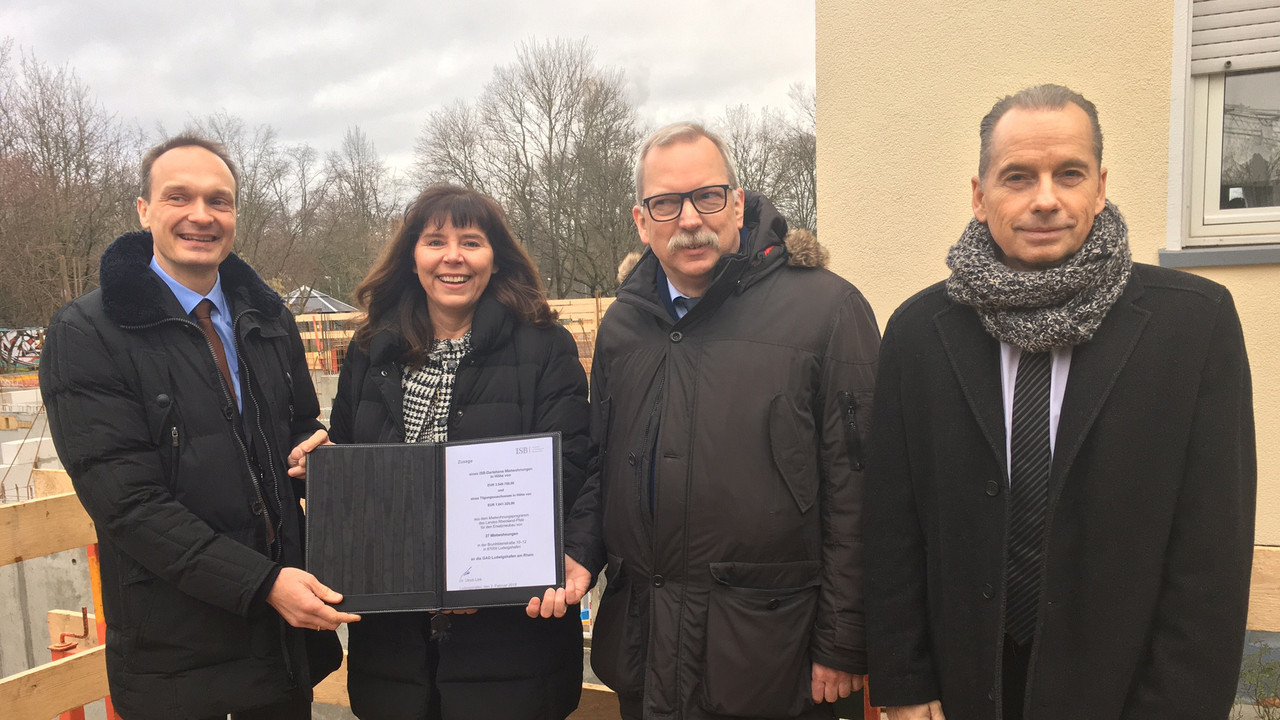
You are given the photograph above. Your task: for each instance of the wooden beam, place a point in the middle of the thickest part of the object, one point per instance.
(333, 689)
(51, 482)
(1264, 591)
(72, 622)
(42, 527)
(55, 687)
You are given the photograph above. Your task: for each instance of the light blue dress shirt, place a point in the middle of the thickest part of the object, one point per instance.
(682, 303)
(221, 317)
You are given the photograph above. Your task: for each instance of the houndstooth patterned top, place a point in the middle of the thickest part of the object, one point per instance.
(428, 391)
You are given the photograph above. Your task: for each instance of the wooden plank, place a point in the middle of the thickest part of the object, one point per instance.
(54, 688)
(42, 527)
(51, 482)
(1264, 591)
(333, 689)
(72, 622)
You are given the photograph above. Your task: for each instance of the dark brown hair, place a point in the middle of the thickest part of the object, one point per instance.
(393, 298)
(179, 141)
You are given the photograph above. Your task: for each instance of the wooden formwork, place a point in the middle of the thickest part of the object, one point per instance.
(581, 317)
(32, 529)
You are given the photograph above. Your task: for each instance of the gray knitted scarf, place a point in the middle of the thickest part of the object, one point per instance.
(1043, 309)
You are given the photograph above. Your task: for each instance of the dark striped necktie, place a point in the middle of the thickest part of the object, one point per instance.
(1029, 472)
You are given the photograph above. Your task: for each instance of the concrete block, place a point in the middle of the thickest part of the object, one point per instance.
(13, 486)
(28, 450)
(20, 396)
(28, 590)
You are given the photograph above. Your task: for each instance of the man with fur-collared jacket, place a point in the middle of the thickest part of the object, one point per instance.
(175, 392)
(730, 392)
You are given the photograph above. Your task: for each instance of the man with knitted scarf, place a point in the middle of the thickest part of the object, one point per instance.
(1073, 541)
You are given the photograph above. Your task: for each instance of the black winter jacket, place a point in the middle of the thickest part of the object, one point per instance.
(746, 417)
(144, 425)
(497, 663)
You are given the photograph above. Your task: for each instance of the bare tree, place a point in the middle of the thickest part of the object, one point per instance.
(800, 158)
(361, 201)
(776, 154)
(66, 186)
(551, 137)
(451, 148)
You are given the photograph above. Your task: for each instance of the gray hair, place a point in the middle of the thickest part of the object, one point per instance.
(1040, 97)
(681, 132)
(179, 141)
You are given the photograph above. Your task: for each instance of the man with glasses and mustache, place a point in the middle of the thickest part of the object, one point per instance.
(730, 389)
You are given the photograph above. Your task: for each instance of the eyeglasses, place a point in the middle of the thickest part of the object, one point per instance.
(706, 200)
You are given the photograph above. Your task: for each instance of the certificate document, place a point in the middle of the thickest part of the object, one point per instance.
(500, 514)
(397, 527)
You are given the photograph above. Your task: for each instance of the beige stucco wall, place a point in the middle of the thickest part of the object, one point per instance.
(901, 88)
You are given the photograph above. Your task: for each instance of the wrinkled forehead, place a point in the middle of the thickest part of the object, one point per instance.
(1024, 130)
(683, 165)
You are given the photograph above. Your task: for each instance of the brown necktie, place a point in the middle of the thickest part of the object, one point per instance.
(201, 312)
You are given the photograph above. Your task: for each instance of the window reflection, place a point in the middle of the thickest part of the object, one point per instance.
(1251, 141)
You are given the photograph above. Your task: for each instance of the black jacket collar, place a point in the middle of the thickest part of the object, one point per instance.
(133, 295)
(489, 326)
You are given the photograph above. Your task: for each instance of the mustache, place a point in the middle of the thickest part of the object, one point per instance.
(685, 240)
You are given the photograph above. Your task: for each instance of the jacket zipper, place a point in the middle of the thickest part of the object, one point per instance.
(247, 390)
(647, 472)
(173, 456)
(275, 547)
(852, 440)
(244, 451)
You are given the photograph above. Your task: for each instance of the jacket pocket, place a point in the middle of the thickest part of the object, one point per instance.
(157, 394)
(178, 633)
(619, 638)
(792, 440)
(852, 435)
(601, 420)
(759, 620)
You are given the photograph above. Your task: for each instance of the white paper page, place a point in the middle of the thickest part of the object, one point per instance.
(500, 514)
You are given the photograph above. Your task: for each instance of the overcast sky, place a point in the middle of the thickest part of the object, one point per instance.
(312, 69)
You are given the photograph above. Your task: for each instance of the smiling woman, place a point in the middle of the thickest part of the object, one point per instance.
(454, 265)
(459, 343)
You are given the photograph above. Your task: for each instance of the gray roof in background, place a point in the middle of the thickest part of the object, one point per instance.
(308, 300)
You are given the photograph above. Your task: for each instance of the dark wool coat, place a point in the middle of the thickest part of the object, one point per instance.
(1149, 529)
(497, 663)
(142, 422)
(728, 502)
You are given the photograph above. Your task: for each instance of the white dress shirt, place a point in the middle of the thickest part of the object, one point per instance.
(1059, 367)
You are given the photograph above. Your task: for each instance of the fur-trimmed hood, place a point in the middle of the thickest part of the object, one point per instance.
(804, 250)
(132, 295)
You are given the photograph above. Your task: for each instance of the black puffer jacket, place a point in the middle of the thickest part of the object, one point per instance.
(746, 418)
(143, 424)
(497, 663)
